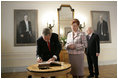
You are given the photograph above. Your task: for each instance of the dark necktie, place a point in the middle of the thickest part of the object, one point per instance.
(49, 46)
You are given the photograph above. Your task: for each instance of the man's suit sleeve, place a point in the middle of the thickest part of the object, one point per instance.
(57, 45)
(30, 26)
(87, 44)
(38, 52)
(106, 29)
(97, 28)
(20, 27)
(97, 44)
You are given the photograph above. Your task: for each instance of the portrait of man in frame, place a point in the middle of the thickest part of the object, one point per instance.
(25, 24)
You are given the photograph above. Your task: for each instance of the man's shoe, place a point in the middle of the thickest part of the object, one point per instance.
(53, 77)
(96, 76)
(90, 76)
(74, 76)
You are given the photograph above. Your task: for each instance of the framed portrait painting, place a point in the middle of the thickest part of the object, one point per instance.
(101, 25)
(25, 27)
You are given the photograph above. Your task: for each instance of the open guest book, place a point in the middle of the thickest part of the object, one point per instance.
(46, 65)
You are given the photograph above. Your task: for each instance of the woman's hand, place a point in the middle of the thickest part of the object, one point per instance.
(72, 46)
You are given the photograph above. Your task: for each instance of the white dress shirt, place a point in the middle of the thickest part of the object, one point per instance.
(27, 26)
(90, 35)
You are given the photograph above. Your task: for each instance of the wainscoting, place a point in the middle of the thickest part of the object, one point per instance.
(106, 71)
(18, 61)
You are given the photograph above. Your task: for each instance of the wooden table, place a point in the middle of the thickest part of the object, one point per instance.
(54, 71)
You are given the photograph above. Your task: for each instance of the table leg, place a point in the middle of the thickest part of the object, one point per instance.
(68, 74)
(29, 76)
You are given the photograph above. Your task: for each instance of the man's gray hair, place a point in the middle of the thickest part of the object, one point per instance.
(46, 31)
(91, 28)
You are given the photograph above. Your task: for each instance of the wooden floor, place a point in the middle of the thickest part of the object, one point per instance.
(108, 71)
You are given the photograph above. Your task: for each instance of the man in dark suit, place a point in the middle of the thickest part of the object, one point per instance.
(48, 46)
(102, 29)
(24, 31)
(92, 52)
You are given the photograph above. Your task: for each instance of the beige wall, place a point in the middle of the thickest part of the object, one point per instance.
(23, 56)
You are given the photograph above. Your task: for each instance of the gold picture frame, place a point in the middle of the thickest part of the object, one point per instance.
(58, 10)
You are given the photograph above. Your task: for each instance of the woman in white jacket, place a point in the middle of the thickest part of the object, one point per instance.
(76, 44)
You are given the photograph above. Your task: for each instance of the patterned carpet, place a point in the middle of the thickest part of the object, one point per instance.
(107, 71)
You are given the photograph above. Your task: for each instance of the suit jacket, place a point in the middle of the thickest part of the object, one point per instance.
(22, 30)
(102, 31)
(79, 40)
(42, 47)
(104, 28)
(93, 45)
(22, 27)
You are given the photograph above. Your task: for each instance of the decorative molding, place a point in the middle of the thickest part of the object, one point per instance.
(13, 69)
(102, 63)
(23, 69)
(17, 53)
(18, 58)
(65, 5)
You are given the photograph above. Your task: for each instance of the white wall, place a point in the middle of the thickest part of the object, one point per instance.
(17, 58)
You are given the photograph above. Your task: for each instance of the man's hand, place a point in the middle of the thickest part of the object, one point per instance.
(39, 60)
(105, 34)
(97, 54)
(51, 59)
(30, 33)
(22, 35)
